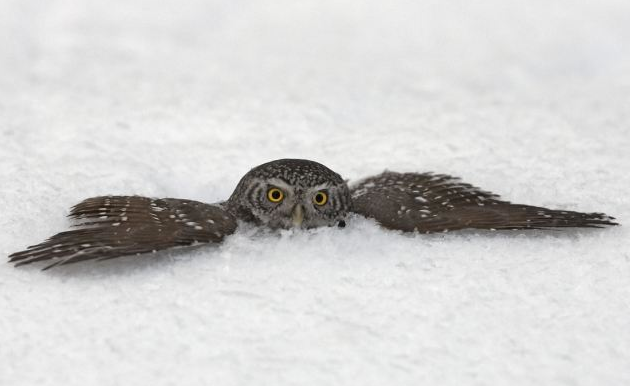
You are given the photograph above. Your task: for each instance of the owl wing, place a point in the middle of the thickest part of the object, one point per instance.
(437, 203)
(114, 226)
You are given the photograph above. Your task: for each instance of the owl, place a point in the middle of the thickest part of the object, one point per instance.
(291, 193)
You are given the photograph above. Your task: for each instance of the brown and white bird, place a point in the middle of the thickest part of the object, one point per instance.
(290, 193)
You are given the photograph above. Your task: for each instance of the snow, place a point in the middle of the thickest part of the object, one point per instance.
(528, 98)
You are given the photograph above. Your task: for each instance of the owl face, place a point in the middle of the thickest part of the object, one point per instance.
(291, 193)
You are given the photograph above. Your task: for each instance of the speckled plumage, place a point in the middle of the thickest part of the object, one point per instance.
(430, 203)
(300, 179)
(112, 226)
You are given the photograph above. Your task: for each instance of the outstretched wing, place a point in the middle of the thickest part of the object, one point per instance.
(436, 203)
(114, 226)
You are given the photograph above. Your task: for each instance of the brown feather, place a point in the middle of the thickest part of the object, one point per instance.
(113, 226)
(437, 203)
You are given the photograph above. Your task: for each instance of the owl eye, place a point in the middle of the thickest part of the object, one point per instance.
(275, 195)
(320, 198)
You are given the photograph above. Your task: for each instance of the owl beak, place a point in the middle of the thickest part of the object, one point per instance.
(297, 216)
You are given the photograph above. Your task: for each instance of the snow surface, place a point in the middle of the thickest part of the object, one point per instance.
(527, 98)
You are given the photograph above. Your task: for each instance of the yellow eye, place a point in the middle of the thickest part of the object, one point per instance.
(275, 195)
(320, 198)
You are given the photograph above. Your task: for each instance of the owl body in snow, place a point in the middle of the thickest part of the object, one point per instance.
(291, 193)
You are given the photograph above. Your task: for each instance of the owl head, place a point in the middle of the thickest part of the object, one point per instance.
(290, 193)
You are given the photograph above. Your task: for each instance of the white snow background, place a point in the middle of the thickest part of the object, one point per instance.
(527, 98)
